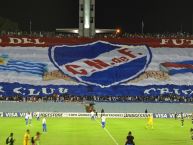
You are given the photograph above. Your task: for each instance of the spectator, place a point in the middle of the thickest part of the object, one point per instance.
(175, 115)
(182, 119)
(102, 112)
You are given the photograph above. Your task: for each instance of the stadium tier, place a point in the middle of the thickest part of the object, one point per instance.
(75, 91)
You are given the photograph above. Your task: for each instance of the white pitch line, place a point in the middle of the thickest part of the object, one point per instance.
(109, 134)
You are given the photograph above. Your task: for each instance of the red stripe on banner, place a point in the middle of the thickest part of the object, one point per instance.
(168, 64)
(26, 41)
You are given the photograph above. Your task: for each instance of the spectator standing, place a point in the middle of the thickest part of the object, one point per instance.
(96, 114)
(182, 119)
(175, 115)
(102, 112)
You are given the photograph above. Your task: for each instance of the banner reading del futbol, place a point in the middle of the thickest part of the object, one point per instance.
(99, 68)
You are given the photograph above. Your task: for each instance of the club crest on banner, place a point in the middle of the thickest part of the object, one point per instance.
(101, 63)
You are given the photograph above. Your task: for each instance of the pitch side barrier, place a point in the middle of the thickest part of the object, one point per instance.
(87, 115)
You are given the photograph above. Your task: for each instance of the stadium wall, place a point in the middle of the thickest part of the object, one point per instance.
(108, 107)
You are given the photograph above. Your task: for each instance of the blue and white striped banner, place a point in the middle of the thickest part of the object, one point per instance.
(24, 67)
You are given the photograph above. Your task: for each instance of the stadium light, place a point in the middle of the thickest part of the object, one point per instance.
(118, 31)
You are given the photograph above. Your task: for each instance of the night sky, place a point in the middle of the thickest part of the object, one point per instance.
(157, 15)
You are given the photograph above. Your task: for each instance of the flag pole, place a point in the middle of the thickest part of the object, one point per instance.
(142, 26)
(30, 26)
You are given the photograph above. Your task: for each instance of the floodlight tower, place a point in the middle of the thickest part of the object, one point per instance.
(86, 21)
(192, 23)
(86, 18)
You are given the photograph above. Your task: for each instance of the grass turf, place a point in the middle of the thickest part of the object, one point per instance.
(83, 131)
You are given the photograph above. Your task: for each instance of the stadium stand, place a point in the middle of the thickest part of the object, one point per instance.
(72, 103)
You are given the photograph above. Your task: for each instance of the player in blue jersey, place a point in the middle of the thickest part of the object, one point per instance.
(44, 126)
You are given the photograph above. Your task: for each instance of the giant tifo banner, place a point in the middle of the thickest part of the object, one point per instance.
(88, 67)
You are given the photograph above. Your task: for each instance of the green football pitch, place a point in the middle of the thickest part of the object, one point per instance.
(83, 131)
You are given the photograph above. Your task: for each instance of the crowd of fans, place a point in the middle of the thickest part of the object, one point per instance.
(109, 35)
(146, 35)
(39, 34)
(123, 99)
(71, 98)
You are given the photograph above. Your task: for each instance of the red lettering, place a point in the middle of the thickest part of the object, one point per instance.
(124, 58)
(116, 60)
(127, 52)
(73, 69)
(119, 60)
(96, 63)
